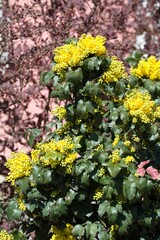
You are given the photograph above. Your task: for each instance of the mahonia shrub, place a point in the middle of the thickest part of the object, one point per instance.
(95, 174)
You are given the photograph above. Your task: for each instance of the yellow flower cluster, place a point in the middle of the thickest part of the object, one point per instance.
(21, 204)
(116, 140)
(140, 105)
(127, 143)
(54, 153)
(72, 55)
(99, 147)
(4, 235)
(136, 139)
(129, 159)
(101, 172)
(59, 112)
(112, 231)
(115, 71)
(65, 234)
(68, 161)
(157, 112)
(98, 194)
(149, 68)
(19, 165)
(64, 128)
(115, 156)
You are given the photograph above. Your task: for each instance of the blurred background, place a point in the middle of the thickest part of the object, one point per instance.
(31, 29)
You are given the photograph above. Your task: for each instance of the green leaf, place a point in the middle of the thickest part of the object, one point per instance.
(103, 235)
(120, 87)
(12, 210)
(154, 129)
(85, 178)
(129, 189)
(134, 58)
(34, 194)
(24, 184)
(1, 212)
(103, 157)
(80, 168)
(112, 215)
(123, 114)
(31, 134)
(132, 61)
(102, 208)
(93, 230)
(42, 76)
(91, 64)
(149, 85)
(71, 40)
(91, 88)
(78, 230)
(30, 207)
(105, 63)
(75, 76)
(81, 108)
(108, 190)
(17, 235)
(55, 209)
(46, 77)
(114, 114)
(137, 54)
(70, 196)
(114, 168)
(158, 88)
(89, 107)
(132, 80)
(47, 176)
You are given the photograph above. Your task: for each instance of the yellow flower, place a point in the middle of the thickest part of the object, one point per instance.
(101, 172)
(136, 139)
(54, 153)
(157, 112)
(60, 112)
(92, 45)
(98, 194)
(116, 140)
(72, 55)
(140, 105)
(115, 71)
(65, 234)
(127, 143)
(115, 156)
(19, 165)
(112, 231)
(149, 68)
(35, 153)
(70, 158)
(132, 149)
(64, 128)
(4, 235)
(129, 159)
(21, 203)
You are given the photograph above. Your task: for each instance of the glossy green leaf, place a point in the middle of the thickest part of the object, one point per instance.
(78, 230)
(103, 208)
(113, 168)
(129, 189)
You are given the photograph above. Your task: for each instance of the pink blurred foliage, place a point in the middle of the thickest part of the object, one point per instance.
(153, 172)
